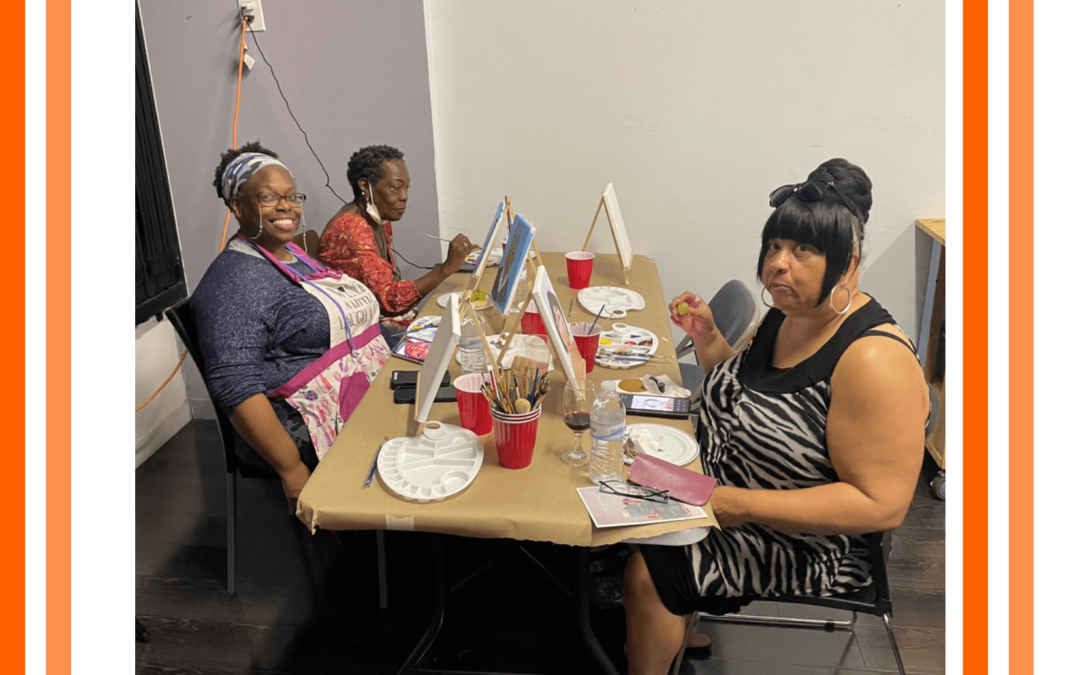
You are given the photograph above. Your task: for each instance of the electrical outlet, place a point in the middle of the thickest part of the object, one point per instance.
(258, 21)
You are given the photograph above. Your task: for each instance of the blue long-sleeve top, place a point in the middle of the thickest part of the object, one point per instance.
(257, 329)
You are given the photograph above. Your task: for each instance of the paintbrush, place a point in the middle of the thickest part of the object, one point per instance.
(597, 318)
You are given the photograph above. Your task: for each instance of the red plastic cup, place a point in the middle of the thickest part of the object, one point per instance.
(579, 268)
(473, 407)
(587, 341)
(515, 437)
(531, 323)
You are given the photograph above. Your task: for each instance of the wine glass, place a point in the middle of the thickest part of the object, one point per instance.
(578, 397)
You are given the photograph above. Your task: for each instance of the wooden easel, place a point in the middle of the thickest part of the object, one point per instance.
(611, 225)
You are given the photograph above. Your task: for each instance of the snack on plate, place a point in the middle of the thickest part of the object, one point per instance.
(631, 384)
(640, 441)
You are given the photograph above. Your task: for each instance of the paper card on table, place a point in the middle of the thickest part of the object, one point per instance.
(489, 242)
(557, 326)
(438, 358)
(611, 510)
(517, 251)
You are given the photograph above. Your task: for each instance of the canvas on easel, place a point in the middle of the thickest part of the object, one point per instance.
(610, 205)
(489, 244)
(536, 251)
(557, 326)
(438, 358)
(517, 252)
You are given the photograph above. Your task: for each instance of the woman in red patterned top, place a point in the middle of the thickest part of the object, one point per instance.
(358, 239)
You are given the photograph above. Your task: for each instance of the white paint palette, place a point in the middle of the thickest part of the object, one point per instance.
(615, 301)
(625, 340)
(441, 462)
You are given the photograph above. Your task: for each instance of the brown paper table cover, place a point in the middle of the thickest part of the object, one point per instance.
(538, 503)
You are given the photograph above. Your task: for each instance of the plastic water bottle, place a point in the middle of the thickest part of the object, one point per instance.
(607, 424)
(473, 358)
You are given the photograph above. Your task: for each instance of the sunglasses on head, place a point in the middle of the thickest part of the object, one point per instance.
(811, 191)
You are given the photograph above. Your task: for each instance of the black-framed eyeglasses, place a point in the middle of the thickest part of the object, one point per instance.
(811, 191)
(636, 491)
(273, 198)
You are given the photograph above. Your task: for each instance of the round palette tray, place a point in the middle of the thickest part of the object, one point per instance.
(441, 462)
(493, 258)
(443, 299)
(517, 348)
(677, 447)
(616, 301)
(638, 341)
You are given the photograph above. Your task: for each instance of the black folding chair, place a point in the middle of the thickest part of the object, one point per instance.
(183, 320)
(873, 599)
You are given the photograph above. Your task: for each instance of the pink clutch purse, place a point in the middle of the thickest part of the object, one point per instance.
(685, 485)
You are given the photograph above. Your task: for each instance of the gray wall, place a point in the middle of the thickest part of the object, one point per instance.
(355, 73)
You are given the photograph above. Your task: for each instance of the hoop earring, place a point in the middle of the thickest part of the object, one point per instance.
(763, 299)
(833, 307)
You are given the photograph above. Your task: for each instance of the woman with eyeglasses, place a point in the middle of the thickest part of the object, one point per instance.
(289, 347)
(359, 238)
(814, 430)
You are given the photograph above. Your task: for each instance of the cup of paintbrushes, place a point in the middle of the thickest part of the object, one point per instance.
(515, 436)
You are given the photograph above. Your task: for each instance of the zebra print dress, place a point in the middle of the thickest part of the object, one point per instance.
(764, 429)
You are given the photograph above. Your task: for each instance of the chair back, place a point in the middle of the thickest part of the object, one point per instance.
(182, 318)
(735, 311)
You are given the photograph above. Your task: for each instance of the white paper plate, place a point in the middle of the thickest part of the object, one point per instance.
(620, 390)
(441, 462)
(630, 336)
(443, 299)
(616, 301)
(517, 348)
(677, 447)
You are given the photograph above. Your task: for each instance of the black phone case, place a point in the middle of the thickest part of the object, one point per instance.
(408, 395)
(407, 378)
(673, 415)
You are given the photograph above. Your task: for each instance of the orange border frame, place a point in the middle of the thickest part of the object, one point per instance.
(57, 338)
(975, 331)
(13, 341)
(1021, 338)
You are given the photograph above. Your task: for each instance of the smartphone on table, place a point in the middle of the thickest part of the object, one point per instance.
(649, 405)
(412, 349)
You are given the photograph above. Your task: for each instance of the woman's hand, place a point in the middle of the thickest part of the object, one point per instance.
(456, 253)
(293, 481)
(698, 321)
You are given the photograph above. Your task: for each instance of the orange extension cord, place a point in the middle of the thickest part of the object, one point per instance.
(225, 229)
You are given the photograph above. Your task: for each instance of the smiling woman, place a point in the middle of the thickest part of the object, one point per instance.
(289, 347)
(359, 238)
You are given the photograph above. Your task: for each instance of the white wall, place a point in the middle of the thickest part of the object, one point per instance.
(156, 354)
(695, 111)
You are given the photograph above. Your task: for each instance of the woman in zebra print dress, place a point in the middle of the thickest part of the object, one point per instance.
(814, 430)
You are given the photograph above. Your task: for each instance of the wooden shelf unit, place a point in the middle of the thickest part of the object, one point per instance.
(930, 330)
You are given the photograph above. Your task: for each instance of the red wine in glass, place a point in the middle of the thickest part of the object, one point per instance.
(577, 421)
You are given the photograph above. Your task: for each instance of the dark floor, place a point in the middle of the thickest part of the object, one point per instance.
(309, 605)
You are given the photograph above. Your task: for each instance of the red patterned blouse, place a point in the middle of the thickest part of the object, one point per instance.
(349, 245)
